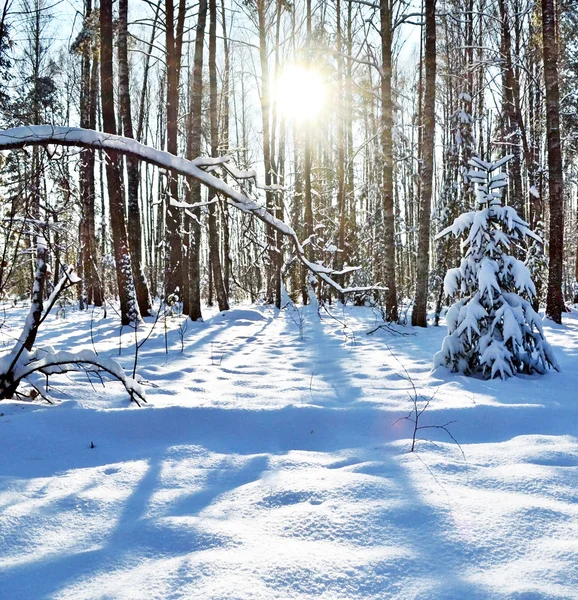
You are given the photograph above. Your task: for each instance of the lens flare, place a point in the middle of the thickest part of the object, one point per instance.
(301, 93)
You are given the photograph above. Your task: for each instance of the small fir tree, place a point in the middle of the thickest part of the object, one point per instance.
(492, 328)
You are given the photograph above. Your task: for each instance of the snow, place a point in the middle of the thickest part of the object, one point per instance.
(494, 332)
(266, 464)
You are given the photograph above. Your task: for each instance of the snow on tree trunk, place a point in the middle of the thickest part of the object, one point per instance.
(492, 328)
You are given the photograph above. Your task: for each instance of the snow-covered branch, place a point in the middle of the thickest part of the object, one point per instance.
(43, 135)
(24, 362)
(51, 363)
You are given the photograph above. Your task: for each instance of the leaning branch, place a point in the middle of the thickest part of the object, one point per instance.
(42, 135)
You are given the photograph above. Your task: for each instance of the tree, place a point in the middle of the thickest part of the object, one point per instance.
(419, 316)
(86, 44)
(388, 234)
(214, 244)
(5, 62)
(128, 304)
(174, 49)
(192, 300)
(133, 175)
(261, 6)
(554, 298)
(44, 135)
(492, 328)
(25, 363)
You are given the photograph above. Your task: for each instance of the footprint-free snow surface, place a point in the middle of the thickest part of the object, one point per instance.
(270, 462)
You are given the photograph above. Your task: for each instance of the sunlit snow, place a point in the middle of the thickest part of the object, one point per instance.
(270, 463)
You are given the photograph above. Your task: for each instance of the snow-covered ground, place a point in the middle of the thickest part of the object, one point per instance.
(269, 462)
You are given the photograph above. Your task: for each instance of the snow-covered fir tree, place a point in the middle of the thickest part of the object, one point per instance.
(492, 328)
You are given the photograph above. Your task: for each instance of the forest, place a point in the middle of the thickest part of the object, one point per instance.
(352, 124)
(288, 299)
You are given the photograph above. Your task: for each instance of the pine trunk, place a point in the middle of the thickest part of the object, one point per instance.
(194, 123)
(173, 278)
(419, 315)
(214, 242)
(128, 305)
(90, 289)
(554, 299)
(388, 234)
(132, 167)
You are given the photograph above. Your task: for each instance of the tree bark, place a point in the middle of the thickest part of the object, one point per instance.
(388, 238)
(194, 122)
(132, 167)
(128, 305)
(341, 142)
(554, 299)
(90, 290)
(174, 254)
(225, 96)
(266, 120)
(214, 242)
(419, 315)
(511, 126)
(307, 163)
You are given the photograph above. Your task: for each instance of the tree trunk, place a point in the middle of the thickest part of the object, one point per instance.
(554, 299)
(388, 238)
(90, 290)
(511, 127)
(214, 243)
(132, 167)
(307, 160)
(419, 315)
(225, 93)
(266, 120)
(194, 122)
(341, 142)
(146, 71)
(128, 305)
(174, 41)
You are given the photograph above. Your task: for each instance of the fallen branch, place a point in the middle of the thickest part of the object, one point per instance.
(24, 363)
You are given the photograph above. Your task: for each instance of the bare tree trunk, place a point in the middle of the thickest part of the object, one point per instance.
(341, 142)
(510, 121)
(352, 250)
(307, 160)
(387, 149)
(194, 121)
(225, 93)
(277, 160)
(98, 286)
(89, 82)
(132, 167)
(266, 119)
(146, 71)
(128, 305)
(214, 243)
(419, 315)
(174, 41)
(554, 299)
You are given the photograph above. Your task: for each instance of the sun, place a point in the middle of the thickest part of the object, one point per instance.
(301, 93)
